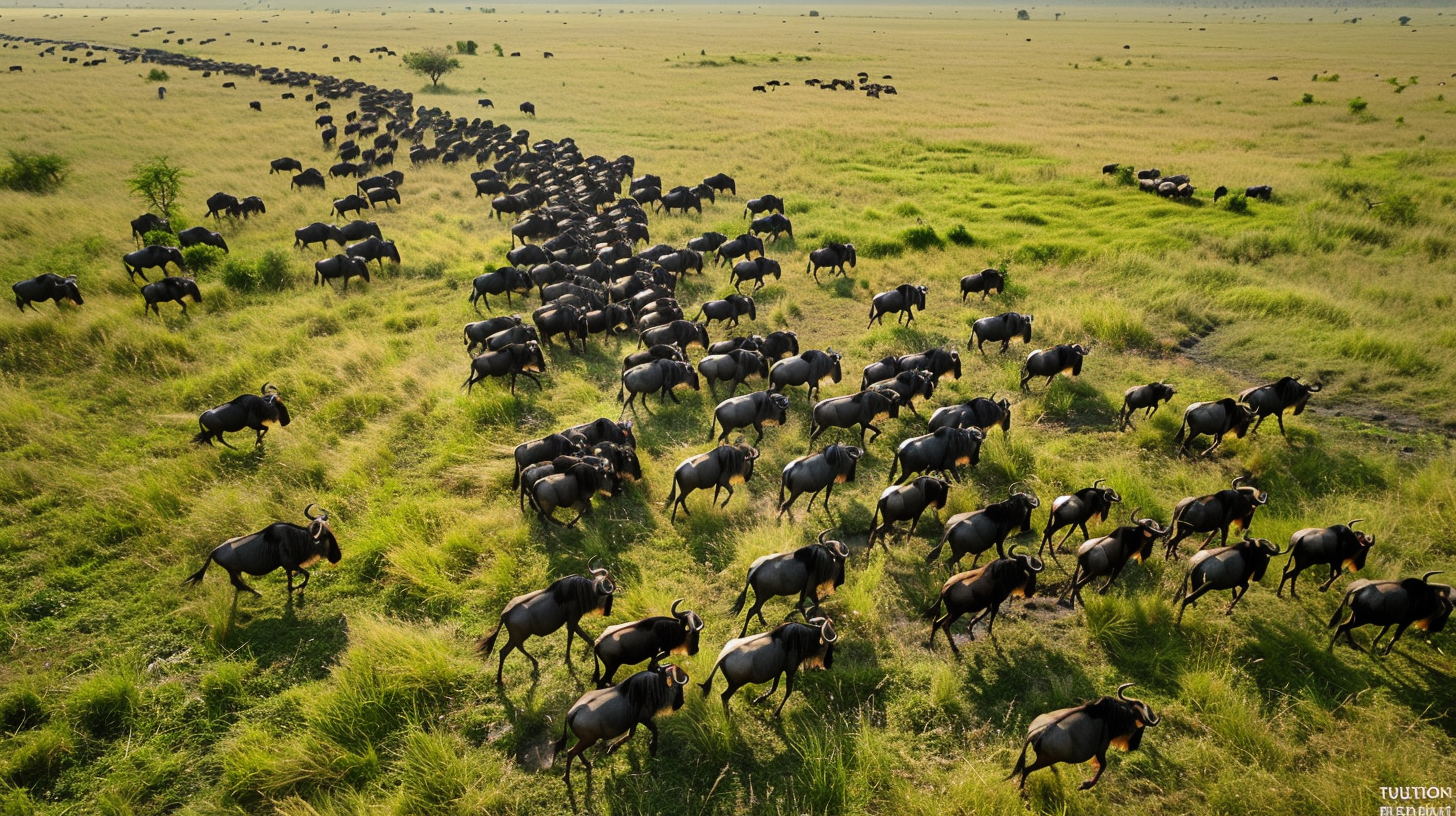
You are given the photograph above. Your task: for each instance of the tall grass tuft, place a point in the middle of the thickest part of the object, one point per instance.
(103, 705)
(921, 238)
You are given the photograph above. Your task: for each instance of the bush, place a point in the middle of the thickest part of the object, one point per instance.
(1398, 209)
(273, 272)
(1237, 203)
(238, 275)
(499, 52)
(1307, 99)
(159, 184)
(922, 237)
(103, 704)
(1126, 175)
(1358, 106)
(20, 710)
(960, 236)
(34, 172)
(201, 258)
(159, 238)
(157, 75)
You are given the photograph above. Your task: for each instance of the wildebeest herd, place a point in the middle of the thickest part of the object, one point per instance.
(579, 252)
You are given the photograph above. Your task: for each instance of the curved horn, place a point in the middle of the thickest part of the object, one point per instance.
(1238, 479)
(1098, 482)
(1352, 522)
(675, 605)
(824, 535)
(826, 631)
(1035, 564)
(311, 516)
(1316, 387)
(1122, 692)
(594, 559)
(1132, 517)
(267, 386)
(753, 453)
(840, 549)
(1427, 577)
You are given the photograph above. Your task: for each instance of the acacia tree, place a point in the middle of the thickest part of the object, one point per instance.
(432, 62)
(158, 183)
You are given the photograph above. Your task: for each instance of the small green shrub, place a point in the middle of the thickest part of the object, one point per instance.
(157, 75)
(960, 236)
(21, 709)
(238, 275)
(1398, 209)
(159, 238)
(842, 288)
(1236, 203)
(922, 238)
(1126, 175)
(201, 258)
(39, 756)
(222, 688)
(881, 248)
(274, 271)
(103, 704)
(1307, 99)
(1358, 106)
(34, 172)
(499, 52)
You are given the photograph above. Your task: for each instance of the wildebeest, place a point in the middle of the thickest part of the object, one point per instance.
(906, 503)
(662, 376)
(774, 225)
(763, 204)
(608, 713)
(340, 266)
(248, 207)
(528, 108)
(707, 242)
(978, 531)
(682, 333)
(503, 281)
(203, 236)
(1003, 328)
(350, 203)
(573, 490)
(604, 430)
(497, 332)
(258, 413)
(629, 643)
(986, 281)
(278, 546)
(728, 310)
(1075, 510)
(810, 368)
(1111, 169)
(318, 233)
(1214, 513)
(811, 572)
(774, 654)
(1144, 398)
(757, 409)
(1340, 547)
(170, 290)
(544, 450)
(382, 194)
(662, 351)
(981, 592)
(755, 270)
(524, 359)
(1230, 568)
(982, 412)
(939, 363)
(312, 177)
(907, 386)
(373, 249)
(944, 451)
(47, 286)
(1276, 398)
(220, 203)
(149, 222)
(1394, 603)
(1053, 361)
(735, 368)
(723, 467)
(1215, 419)
(1261, 191)
(820, 471)
(904, 299)
(721, 182)
(1084, 733)
(153, 256)
(1110, 553)
(537, 614)
(862, 409)
(833, 256)
(741, 247)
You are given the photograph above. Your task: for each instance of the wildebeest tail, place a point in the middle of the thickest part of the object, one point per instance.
(196, 577)
(707, 685)
(934, 611)
(742, 596)
(1178, 440)
(203, 436)
(561, 743)
(1020, 761)
(672, 494)
(935, 551)
(1340, 610)
(486, 644)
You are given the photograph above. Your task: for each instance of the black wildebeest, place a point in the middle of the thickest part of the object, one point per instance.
(350, 203)
(981, 592)
(170, 290)
(1111, 169)
(1214, 513)
(680, 198)
(820, 471)
(252, 411)
(518, 359)
(1260, 191)
(340, 266)
(248, 207)
(763, 204)
(756, 410)
(735, 368)
(661, 351)
(682, 333)
(982, 412)
(1144, 398)
(772, 655)
(609, 713)
(741, 247)
(773, 225)
(544, 449)
(537, 614)
(382, 194)
(755, 270)
(943, 451)
(978, 531)
(1215, 419)
(907, 386)
(279, 545)
(707, 242)
(148, 257)
(811, 572)
(1230, 568)
(1340, 547)
(1053, 361)
(219, 204)
(506, 280)
(312, 177)
(572, 489)
(511, 331)
(728, 310)
(629, 643)
(48, 286)
(723, 467)
(721, 182)
(1110, 553)
(904, 299)
(1394, 603)
(149, 222)
(862, 409)
(201, 235)
(986, 281)
(1075, 510)
(810, 368)
(373, 249)
(1002, 328)
(906, 503)
(1084, 733)
(528, 108)
(1276, 398)
(284, 165)
(318, 233)
(832, 256)
(939, 363)
(662, 376)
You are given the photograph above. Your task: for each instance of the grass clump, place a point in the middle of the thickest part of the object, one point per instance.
(202, 258)
(103, 705)
(30, 172)
(21, 709)
(38, 757)
(1399, 209)
(1236, 203)
(157, 75)
(921, 238)
(1358, 106)
(960, 236)
(272, 272)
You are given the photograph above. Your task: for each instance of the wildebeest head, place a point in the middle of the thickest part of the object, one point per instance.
(1256, 497)
(323, 534)
(1103, 497)
(1017, 507)
(1026, 328)
(602, 585)
(1148, 532)
(272, 399)
(1030, 566)
(827, 638)
(1258, 551)
(1143, 713)
(692, 626)
(1363, 542)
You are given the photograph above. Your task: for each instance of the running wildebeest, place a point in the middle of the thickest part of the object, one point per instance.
(537, 614)
(741, 247)
(707, 242)
(1084, 733)
(723, 467)
(1394, 603)
(626, 644)
(170, 290)
(1002, 328)
(201, 236)
(978, 531)
(682, 333)
(221, 203)
(903, 299)
(728, 310)
(1276, 398)
(907, 386)
(735, 368)
(981, 592)
(1215, 419)
(939, 362)
(833, 256)
(153, 256)
(1214, 513)
(1144, 398)
(755, 270)
(545, 449)
(573, 490)
(1075, 510)
(943, 451)
(810, 368)
(818, 472)
(906, 503)
(1109, 554)
(350, 203)
(986, 281)
(252, 411)
(1232, 568)
(340, 266)
(811, 572)
(771, 655)
(662, 376)
(721, 182)
(1053, 361)
(763, 204)
(47, 286)
(1340, 547)
(518, 359)
(661, 351)
(609, 713)
(862, 409)
(774, 225)
(982, 412)
(506, 280)
(278, 546)
(757, 409)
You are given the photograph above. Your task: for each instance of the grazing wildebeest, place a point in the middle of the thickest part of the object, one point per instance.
(986, 281)
(361, 230)
(1084, 733)
(1230, 568)
(662, 376)
(258, 413)
(1261, 191)
(741, 247)
(982, 412)
(528, 108)
(201, 236)
(1215, 419)
(1214, 513)
(763, 204)
(248, 207)
(1276, 398)
(721, 182)
(149, 222)
(1003, 328)
(1110, 553)
(609, 713)
(832, 256)
(862, 409)
(628, 643)
(978, 531)
(906, 503)
(318, 233)
(340, 266)
(170, 290)
(810, 368)
(981, 592)
(220, 203)
(735, 368)
(904, 299)
(755, 270)
(757, 410)
(537, 614)
(1053, 361)
(943, 451)
(572, 489)
(707, 242)
(382, 194)
(1340, 547)
(728, 310)
(1111, 169)
(1394, 603)
(723, 467)
(519, 359)
(1075, 510)
(312, 177)
(373, 249)
(781, 652)
(506, 280)
(1144, 398)
(47, 286)
(153, 256)
(278, 546)
(820, 471)
(350, 203)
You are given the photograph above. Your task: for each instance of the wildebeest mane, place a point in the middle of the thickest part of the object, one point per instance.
(576, 594)
(647, 692)
(798, 640)
(821, 563)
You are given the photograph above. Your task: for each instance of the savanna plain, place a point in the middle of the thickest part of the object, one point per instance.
(124, 692)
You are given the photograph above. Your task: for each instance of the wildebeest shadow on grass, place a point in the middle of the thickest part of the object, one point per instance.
(300, 645)
(245, 461)
(1075, 404)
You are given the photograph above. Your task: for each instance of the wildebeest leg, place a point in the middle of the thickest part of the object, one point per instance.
(867, 427)
(258, 440)
(1191, 598)
(727, 693)
(631, 732)
(300, 586)
(1399, 630)
(1280, 416)
(1218, 440)
(224, 441)
(788, 690)
(1291, 575)
(513, 383)
(237, 581)
(1334, 573)
(1376, 641)
(1101, 762)
(767, 694)
(1238, 593)
(726, 499)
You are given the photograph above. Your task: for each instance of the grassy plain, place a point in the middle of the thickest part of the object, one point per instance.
(121, 692)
